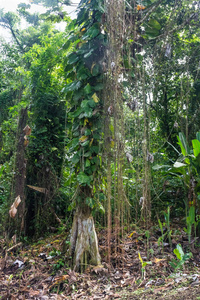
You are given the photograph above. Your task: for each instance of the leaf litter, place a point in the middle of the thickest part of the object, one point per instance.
(41, 270)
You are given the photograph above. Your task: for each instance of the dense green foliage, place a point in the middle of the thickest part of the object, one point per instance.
(60, 78)
(85, 71)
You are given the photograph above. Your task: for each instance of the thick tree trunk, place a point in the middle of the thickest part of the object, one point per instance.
(83, 242)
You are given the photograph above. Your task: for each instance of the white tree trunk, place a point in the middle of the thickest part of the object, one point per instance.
(83, 242)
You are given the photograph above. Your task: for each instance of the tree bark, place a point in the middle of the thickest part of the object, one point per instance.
(20, 171)
(83, 242)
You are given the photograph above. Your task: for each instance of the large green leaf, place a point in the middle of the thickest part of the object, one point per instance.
(95, 70)
(77, 94)
(87, 163)
(95, 149)
(83, 73)
(152, 29)
(75, 113)
(151, 32)
(72, 58)
(154, 24)
(179, 252)
(1, 170)
(84, 104)
(67, 45)
(93, 31)
(85, 143)
(88, 113)
(83, 178)
(183, 144)
(192, 215)
(70, 39)
(88, 89)
(196, 147)
(91, 103)
(87, 154)
(75, 159)
(99, 7)
(75, 142)
(73, 86)
(87, 131)
(89, 53)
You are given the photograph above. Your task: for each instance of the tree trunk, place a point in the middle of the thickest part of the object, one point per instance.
(20, 172)
(83, 242)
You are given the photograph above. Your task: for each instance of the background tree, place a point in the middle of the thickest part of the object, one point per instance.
(46, 148)
(38, 84)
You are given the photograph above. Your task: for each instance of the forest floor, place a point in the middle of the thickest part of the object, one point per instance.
(41, 270)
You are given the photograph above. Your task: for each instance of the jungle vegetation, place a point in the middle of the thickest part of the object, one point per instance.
(99, 123)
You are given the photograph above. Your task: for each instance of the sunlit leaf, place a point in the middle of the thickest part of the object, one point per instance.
(196, 147)
(94, 30)
(1, 170)
(75, 85)
(83, 138)
(91, 142)
(130, 235)
(95, 98)
(187, 161)
(140, 258)
(89, 53)
(158, 260)
(179, 165)
(85, 121)
(179, 252)
(59, 279)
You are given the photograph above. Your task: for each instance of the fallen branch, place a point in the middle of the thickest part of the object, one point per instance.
(13, 247)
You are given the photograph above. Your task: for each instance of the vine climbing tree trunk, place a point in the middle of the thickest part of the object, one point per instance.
(99, 94)
(86, 120)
